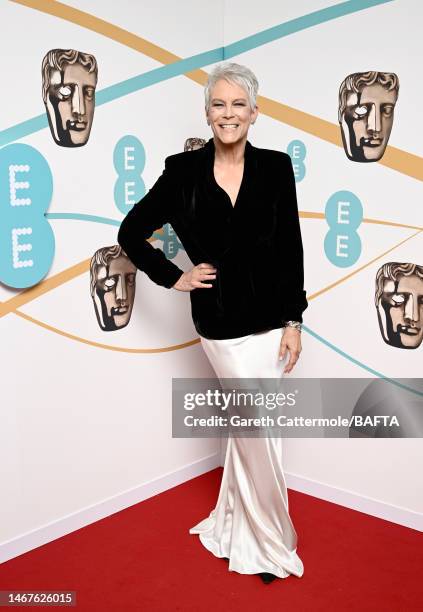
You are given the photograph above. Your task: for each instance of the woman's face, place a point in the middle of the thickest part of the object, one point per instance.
(230, 115)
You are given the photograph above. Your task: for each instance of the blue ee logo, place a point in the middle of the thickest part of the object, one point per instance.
(344, 214)
(171, 242)
(26, 237)
(129, 162)
(297, 152)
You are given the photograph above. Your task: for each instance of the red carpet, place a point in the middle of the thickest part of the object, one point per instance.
(143, 558)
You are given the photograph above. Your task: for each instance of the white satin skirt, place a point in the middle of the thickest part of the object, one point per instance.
(250, 524)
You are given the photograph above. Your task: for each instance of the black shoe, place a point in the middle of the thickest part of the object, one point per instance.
(267, 578)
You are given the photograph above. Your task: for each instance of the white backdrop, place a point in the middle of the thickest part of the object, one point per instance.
(86, 429)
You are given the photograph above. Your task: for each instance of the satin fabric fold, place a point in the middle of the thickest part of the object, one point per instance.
(250, 524)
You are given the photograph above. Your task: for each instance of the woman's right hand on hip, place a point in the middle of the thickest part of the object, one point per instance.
(195, 277)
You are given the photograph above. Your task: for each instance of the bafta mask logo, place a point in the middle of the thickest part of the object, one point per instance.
(366, 113)
(112, 277)
(192, 144)
(69, 82)
(399, 304)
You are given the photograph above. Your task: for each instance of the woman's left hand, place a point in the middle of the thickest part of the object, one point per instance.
(291, 341)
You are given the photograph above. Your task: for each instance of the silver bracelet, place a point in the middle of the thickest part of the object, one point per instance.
(295, 324)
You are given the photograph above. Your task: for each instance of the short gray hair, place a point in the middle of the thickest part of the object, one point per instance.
(236, 73)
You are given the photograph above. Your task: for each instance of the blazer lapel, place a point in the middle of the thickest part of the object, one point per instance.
(254, 218)
(217, 227)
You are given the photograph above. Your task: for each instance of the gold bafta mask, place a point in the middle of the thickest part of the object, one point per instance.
(366, 113)
(399, 304)
(69, 82)
(112, 281)
(191, 144)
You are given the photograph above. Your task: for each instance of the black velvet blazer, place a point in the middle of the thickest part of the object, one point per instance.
(255, 245)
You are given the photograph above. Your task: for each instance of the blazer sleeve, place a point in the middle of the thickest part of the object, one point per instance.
(290, 247)
(146, 216)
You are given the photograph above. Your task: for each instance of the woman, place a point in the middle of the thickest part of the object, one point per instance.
(234, 208)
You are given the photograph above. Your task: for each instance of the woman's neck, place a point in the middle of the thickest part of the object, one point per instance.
(229, 154)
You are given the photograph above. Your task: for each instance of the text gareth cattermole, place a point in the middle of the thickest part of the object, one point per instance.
(222, 399)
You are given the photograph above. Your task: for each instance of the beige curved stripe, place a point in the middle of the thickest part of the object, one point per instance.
(391, 224)
(320, 215)
(95, 24)
(196, 340)
(396, 159)
(357, 270)
(44, 286)
(109, 347)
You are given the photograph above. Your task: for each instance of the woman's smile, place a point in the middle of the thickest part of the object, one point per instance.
(230, 114)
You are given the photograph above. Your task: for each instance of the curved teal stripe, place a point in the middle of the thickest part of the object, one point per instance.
(108, 94)
(108, 221)
(83, 217)
(359, 363)
(118, 90)
(298, 24)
